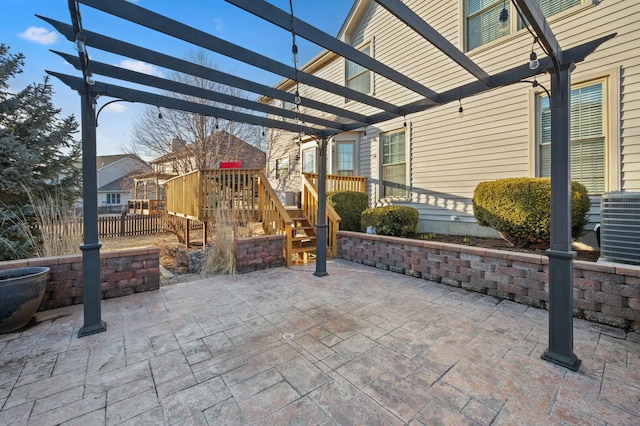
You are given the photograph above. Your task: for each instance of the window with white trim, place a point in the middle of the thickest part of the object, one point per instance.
(309, 160)
(358, 77)
(394, 164)
(289, 106)
(346, 158)
(588, 135)
(551, 7)
(113, 198)
(282, 168)
(482, 18)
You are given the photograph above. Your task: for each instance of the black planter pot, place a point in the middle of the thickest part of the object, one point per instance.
(21, 292)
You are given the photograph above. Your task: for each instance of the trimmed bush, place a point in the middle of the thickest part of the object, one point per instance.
(399, 221)
(349, 205)
(520, 209)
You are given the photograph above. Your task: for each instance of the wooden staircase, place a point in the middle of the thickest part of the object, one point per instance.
(303, 237)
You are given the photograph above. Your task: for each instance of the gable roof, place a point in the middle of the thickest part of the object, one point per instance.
(105, 160)
(122, 184)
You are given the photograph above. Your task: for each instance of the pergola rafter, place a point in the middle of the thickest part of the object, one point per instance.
(560, 349)
(199, 92)
(139, 96)
(282, 19)
(413, 21)
(134, 13)
(132, 51)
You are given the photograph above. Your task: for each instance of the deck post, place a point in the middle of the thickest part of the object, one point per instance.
(204, 234)
(321, 225)
(187, 231)
(560, 349)
(91, 246)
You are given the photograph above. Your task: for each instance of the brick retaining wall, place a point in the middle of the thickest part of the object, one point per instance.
(261, 252)
(122, 272)
(603, 293)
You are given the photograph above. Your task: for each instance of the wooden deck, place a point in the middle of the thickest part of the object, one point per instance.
(199, 194)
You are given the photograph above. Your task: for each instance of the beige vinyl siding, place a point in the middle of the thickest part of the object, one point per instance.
(449, 156)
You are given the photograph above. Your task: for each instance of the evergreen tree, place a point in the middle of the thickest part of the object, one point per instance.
(37, 153)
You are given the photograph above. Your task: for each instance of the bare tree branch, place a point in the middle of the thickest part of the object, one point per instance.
(193, 141)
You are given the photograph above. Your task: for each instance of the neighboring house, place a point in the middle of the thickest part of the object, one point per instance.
(221, 146)
(433, 160)
(115, 182)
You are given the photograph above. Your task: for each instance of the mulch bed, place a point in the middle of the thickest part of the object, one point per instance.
(500, 244)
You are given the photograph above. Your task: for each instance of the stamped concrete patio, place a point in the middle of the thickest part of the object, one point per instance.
(369, 347)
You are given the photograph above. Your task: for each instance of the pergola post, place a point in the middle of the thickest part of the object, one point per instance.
(560, 349)
(91, 247)
(321, 225)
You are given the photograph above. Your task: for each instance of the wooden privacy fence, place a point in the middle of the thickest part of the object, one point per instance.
(130, 225)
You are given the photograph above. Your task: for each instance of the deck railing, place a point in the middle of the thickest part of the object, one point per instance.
(144, 206)
(196, 195)
(275, 219)
(340, 182)
(310, 208)
(235, 189)
(185, 195)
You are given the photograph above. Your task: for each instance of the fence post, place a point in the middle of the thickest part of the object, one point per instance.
(122, 218)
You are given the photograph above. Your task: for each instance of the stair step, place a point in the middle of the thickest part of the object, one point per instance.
(304, 238)
(303, 249)
(303, 227)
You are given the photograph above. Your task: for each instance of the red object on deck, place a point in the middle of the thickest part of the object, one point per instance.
(231, 164)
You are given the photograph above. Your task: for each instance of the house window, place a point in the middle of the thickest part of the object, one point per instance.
(289, 106)
(309, 160)
(394, 165)
(282, 168)
(483, 18)
(551, 7)
(113, 198)
(345, 152)
(588, 139)
(358, 77)
(483, 21)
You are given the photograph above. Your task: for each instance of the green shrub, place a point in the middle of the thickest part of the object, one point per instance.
(520, 209)
(399, 221)
(349, 205)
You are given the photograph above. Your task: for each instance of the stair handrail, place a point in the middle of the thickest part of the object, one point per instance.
(275, 219)
(310, 207)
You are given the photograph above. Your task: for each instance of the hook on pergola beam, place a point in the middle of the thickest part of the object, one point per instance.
(532, 12)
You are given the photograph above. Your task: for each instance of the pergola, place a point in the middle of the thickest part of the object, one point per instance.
(559, 63)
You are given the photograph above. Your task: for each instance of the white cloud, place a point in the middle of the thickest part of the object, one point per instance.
(218, 24)
(140, 66)
(116, 107)
(39, 35)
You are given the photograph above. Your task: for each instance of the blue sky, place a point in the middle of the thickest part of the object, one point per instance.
(25, 33)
